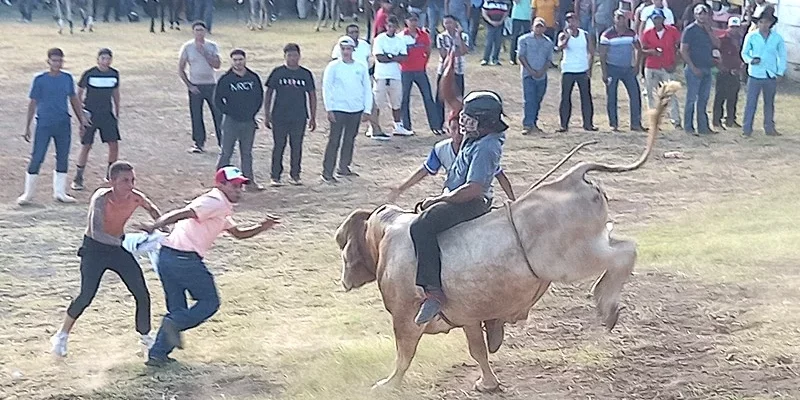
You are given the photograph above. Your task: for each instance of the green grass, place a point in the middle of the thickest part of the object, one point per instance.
(731, 240)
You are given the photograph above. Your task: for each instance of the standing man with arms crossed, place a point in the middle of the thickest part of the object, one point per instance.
(109, 211)
(660, 49)
(101, 85)
(389, 50)
(50, 92)
(347, 96)
(238, 97)
(576, 67)
(765, 54)
(697, 43)
(181, 265)
(295, 105)
(726, 93)
(202, 56)
(535, 56)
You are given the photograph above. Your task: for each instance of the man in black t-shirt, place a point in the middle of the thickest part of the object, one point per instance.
(295, 103)
(101, 85)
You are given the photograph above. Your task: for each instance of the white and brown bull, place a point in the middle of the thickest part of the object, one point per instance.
(496, 267)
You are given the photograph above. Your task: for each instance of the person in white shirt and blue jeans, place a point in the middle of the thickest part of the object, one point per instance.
(764, 52)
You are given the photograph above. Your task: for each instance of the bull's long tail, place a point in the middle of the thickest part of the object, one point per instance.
(664, 94)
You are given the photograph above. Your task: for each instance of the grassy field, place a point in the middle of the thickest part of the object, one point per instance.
(711, 311)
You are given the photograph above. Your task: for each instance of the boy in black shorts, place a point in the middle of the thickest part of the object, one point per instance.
(101, 85)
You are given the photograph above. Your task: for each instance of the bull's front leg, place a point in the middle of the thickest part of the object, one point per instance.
(406, 338)
(477, 349)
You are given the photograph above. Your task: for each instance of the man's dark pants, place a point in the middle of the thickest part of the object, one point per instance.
(424, 234)
(420, 78)
(181, 272)
(293, 132)
(518, 28)
(568, 80)
(343, 133)
(196, 113)
(626, 75)
(726, 96)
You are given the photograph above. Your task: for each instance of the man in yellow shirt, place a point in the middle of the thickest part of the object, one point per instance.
(546, 9)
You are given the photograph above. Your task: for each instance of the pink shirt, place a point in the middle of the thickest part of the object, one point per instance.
(214, 212)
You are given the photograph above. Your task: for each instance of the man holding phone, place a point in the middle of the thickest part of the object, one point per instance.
(660, 48)
(764, 52)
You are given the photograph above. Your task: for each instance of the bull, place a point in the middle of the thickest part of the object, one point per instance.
(497, 266)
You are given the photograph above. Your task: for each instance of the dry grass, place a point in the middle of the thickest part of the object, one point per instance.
(710, 312)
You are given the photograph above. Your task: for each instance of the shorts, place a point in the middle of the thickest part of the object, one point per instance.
(388, 93)
(108, 126)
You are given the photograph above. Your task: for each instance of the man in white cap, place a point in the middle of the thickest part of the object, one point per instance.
(180, 261)
(728, 83)
(347, 96)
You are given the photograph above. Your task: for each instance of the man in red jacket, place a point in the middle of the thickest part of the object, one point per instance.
(418, 44)
(730, 66)
(660, 48)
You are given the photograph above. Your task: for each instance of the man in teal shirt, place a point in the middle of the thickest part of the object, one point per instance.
(764, 52)
(521, 14)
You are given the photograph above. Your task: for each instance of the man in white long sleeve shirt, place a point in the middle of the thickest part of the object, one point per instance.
(347, 96)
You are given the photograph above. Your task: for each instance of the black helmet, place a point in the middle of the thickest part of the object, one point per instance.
(483, 103)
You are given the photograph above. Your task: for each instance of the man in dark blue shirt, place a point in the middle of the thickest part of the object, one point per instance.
(467, 193)
(697, 45)
(48, 101)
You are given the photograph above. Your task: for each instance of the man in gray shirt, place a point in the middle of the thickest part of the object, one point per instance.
(603, 13)
(535, 55)
(202, 56)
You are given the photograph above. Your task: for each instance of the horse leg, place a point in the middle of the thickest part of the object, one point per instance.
(406, 338)
(477, 349)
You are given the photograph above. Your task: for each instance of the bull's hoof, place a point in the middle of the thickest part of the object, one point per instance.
(384, 384)
(611, 319)
(491, 387)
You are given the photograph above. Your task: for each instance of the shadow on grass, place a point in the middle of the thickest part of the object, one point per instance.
(183, 381)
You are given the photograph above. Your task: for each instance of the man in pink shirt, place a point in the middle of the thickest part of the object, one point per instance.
(180, 264)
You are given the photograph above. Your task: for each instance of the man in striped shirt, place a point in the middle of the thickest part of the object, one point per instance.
(617, 46)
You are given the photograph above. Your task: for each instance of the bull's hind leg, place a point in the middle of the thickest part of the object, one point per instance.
(607, 288)
(406, 337)
(477, 349)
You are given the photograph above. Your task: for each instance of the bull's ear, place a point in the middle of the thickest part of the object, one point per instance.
(359, 261)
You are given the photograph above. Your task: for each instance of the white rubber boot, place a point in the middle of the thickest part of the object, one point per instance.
(30, 189)
(60, 188)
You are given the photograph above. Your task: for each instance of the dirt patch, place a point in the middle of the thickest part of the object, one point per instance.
(673, 342)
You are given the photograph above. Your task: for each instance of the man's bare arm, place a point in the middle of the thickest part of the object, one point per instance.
(148, 205)
(182, 71)
(115, 96)
(246, 233)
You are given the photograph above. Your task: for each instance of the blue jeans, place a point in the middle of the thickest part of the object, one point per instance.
(181, 272)
(533, 91)
(628, 77)
(494, 40)
(754, 88)
(586, 23)
(474, 22)
(61, 133)
(204, 11)
(435, 13)
(420, 78)
(698, 90)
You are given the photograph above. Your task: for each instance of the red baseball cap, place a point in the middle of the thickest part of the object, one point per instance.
(230, 174)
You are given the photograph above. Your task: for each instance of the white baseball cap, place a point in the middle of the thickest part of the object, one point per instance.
(347, 41)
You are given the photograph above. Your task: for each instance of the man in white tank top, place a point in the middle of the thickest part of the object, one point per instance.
(576, 67)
